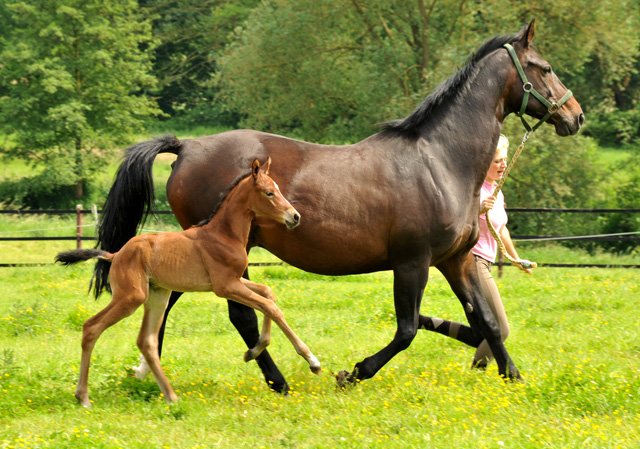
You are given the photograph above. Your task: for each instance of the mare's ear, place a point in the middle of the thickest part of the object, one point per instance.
(525, 35)
(255, 168)
(266, 170)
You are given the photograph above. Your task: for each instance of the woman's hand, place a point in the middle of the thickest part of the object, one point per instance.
(487, 204)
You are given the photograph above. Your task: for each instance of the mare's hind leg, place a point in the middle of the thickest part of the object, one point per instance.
(236, 291)
(458, 331)
(154, 310)
(265, 334)
(122, 305)
(463, 278)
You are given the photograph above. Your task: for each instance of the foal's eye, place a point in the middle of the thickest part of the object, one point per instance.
(269, 194)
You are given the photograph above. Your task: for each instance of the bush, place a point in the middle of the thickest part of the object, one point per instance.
(50, 189)
(615, 127)
(627, 197)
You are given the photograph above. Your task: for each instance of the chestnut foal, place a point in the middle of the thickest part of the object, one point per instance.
(210, 256)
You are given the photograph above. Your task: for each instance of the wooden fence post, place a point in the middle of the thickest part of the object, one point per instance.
(79, 226)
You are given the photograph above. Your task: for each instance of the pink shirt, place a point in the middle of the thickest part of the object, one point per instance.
(487, 248)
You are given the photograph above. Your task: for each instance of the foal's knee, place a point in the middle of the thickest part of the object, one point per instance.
(268, 293)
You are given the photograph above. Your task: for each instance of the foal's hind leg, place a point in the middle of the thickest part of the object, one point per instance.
(142, 370)
(265, 334)
(154, 310)
(121, 306)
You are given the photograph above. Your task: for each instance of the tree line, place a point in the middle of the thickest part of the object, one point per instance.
(81, 77)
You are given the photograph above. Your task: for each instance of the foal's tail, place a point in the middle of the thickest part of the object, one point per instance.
(80, 255)
(129, 201)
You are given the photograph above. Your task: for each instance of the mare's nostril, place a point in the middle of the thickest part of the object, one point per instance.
(581, 119)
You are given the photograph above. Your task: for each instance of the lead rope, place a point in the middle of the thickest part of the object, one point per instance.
(525, 264)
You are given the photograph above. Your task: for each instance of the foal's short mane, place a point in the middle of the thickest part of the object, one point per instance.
(223, 196)
(447, 91)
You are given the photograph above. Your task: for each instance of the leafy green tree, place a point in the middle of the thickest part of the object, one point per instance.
(299, 67)
(73, 74)
(190, 35)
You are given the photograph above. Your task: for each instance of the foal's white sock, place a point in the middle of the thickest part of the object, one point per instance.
(143, 369)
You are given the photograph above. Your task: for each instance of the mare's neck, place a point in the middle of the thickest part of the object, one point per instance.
(477, 115)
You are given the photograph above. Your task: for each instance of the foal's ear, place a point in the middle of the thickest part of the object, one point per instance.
(255, 168)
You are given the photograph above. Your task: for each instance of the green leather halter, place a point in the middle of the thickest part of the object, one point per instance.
(529, 89)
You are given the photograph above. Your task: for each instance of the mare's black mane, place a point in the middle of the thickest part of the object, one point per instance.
(223, 196)
(446, 92)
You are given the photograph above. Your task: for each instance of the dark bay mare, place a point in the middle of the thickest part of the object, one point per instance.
(403, 199)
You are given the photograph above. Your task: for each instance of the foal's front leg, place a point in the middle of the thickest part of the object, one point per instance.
(265, 335)
(235, 290)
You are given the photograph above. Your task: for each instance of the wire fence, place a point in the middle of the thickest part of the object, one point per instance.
(80, 212)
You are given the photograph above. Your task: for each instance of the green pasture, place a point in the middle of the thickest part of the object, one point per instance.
(575, 337)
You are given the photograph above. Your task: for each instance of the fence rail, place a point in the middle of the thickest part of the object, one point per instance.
(80, 211)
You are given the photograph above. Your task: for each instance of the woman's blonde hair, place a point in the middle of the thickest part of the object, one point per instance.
(503, 143)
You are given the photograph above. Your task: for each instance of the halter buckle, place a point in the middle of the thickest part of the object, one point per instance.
(527, 87)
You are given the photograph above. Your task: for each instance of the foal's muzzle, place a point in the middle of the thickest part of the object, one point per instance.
(292, 219)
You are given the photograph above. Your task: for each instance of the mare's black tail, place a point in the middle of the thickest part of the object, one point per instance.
(79, 255)
(129, 201)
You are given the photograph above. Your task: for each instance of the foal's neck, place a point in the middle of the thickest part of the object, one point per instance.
(234, 215)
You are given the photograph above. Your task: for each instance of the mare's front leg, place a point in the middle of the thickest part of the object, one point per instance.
(154, 311)
(409, 283)
(463, 278)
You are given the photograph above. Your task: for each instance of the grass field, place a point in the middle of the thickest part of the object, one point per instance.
(575, 337)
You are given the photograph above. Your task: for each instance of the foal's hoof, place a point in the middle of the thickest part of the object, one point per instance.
(248, 356)
(84, 401)
(314, 364)
(142, 370)
(252, 354)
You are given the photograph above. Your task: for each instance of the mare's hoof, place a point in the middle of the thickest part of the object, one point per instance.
(345, 379)
(516, 379)
(513, 377)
